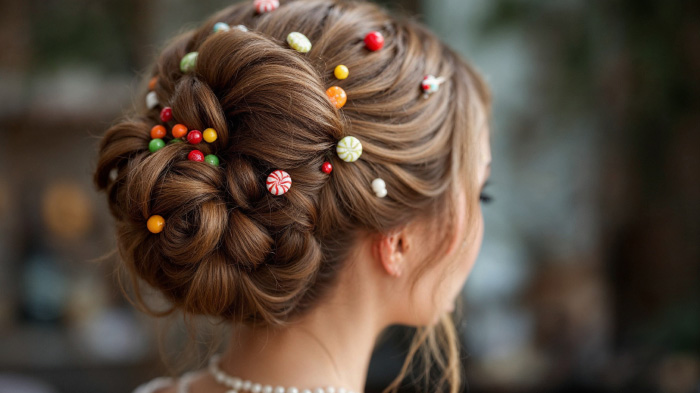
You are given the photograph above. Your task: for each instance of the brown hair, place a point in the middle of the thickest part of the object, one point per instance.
(229, 248)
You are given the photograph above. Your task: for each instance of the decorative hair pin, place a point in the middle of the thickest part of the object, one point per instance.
(262, 6)
(379, 187)
(151, 100)
(221, 26)
(155, 223)
(278, 182)
(349, 149)
(431, 84)
(374, 41)
(298, 42)
(341, 72)
(337, 96)
(188, 62)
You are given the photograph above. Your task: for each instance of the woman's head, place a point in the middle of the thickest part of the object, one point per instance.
(231, 249)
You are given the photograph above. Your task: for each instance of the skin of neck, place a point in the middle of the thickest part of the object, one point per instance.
(330, 345)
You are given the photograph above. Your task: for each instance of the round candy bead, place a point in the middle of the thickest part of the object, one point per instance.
(262, 6)
(241, 28)
(278, 182)
(221, 26)
(194, 137)
(349, 149)
(327, 167)
(179, 130)
(337, 96)
(188, 62)
(166, 114)
(152, 83)
(174, 140)
(151, 100)
(211, 159)
(155, 144)
(158, 131)
(155, 223)
(341, 72)
(299, 42)
(374, 41)
(209, 135)
(195, 155)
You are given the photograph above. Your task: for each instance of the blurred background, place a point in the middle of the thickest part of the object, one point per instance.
(589, 276)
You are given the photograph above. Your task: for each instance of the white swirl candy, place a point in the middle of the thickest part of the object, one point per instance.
(279, 182)
(349, 149)
(299, 42)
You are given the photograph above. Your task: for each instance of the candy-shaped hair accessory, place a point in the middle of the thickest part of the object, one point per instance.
(195, 155)
(299, 42)
(379, 187)
(179, 130)
(188, 62)
(337, 96)
(241, 28)
(158, 131)
(430, 84)
(155, 144)
(194, 137)
(327, 168)
(341, 71)
(349, 149)
(155, 223)
(262, 6)
(166, 114)
(151, 100)
(152, 83)
(278, 182)
(374, 41)
(209, 135)
(221, 26)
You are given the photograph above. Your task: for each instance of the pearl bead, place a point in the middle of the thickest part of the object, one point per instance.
(319, 390)
(342, 390)
(267, 389)
(166, 114)
(374, 41)
(330, 389)
(179, 130)
(247, 385)
(341, 72)
(292, 390)
(306, 391)
(279, 389)
(232, 391)
(256, 388)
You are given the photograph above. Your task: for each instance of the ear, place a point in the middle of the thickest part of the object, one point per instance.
(390, 249)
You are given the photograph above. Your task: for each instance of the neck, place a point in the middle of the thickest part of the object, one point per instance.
(329, 346)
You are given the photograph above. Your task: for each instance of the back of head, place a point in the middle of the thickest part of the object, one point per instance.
(230, 248)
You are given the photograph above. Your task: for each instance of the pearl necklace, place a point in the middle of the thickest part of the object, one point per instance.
(239, 385)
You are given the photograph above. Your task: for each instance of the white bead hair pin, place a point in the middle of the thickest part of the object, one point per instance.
(379, 187)
(430, 84)
(151, 100)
